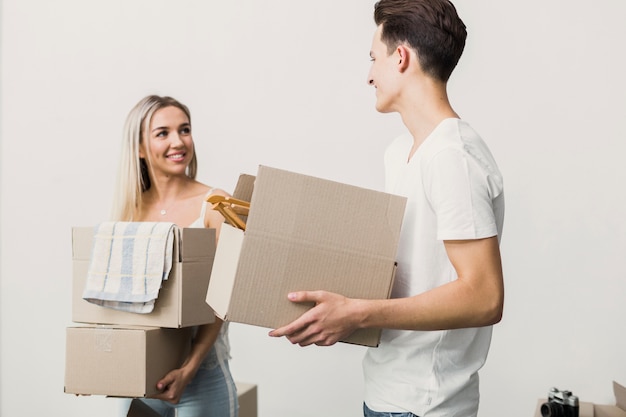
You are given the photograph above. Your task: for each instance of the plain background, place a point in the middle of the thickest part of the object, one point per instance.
(283, 83)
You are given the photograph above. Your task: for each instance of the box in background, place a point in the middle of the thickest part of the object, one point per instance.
(181, 300)
(248, 398)
(246, 393)
(587, 409)
(140, 409)
(122, 361)
(305, 233)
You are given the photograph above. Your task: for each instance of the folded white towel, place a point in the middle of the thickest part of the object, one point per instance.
(129, 261)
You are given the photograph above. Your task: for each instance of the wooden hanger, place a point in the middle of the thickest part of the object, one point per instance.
(230, 208)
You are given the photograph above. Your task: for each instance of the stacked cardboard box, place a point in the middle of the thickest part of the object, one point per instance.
(124, 354)
(302, 233)
(181, 299)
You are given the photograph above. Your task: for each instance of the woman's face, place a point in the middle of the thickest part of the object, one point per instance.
(168, 148)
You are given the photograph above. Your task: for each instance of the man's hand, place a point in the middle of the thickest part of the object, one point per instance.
(330, 320)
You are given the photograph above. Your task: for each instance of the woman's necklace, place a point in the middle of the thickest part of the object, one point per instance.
(164, 210)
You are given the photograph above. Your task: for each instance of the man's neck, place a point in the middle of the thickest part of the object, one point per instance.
(424, 108)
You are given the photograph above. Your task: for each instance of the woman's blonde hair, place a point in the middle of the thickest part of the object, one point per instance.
(133, 176)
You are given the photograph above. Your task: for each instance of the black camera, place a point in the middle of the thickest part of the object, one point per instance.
(560, 404)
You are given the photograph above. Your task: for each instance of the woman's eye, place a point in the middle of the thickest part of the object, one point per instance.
(185, 131)
(161, 134)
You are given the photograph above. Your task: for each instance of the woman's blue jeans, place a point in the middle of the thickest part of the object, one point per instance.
(212, 393)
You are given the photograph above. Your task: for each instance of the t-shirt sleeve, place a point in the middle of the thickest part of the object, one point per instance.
(458, 191)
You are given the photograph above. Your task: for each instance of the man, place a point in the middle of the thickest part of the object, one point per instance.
(448, 290)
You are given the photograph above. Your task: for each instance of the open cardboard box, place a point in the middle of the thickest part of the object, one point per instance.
(181, 300)
(587, 409)
(304, 233)
(122, 361)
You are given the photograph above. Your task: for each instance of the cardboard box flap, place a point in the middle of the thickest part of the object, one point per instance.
(225, 267)
(620, 395)
(245, 186)
(283, 207)
(197, 244)
(617, 410)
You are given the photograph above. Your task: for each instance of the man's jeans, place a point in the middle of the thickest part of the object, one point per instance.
(369, 413)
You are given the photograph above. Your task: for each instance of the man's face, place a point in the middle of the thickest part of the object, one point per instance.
(383, 73)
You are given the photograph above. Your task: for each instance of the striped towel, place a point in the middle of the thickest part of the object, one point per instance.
(129, 262)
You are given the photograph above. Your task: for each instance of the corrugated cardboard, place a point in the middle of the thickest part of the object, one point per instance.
(247, 395)
(181, 300)
(121, 361)
(305, 233)
(588, 409)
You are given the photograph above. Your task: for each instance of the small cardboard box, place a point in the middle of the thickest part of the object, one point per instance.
(587, 409)
(121, 361)
(181, 300)
(305, 233)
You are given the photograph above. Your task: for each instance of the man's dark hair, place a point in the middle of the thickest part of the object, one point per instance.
(431, 27)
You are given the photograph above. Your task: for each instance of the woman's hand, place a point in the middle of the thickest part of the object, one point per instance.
(173, 384)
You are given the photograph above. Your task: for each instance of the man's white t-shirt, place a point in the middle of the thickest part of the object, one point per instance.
(454, 192)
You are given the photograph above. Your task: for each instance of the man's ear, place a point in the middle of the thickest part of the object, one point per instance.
(404, 57)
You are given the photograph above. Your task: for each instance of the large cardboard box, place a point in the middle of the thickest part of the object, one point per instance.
(121, 361)
(181, 300)
(305, 233)
(588, 409)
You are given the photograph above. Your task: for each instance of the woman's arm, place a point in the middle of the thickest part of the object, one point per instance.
(173, 384)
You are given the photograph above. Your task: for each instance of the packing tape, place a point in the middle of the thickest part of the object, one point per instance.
(103, 340)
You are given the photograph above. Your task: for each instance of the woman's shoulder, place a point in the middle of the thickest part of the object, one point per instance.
(208, 190)
(201, 190)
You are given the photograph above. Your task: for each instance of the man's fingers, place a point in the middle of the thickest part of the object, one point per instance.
(292, 328)
(298, 331)
(305, 296)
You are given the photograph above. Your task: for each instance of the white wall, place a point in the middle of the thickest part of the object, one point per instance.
(282, 83)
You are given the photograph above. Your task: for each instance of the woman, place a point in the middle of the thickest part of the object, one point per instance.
(156, 182)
